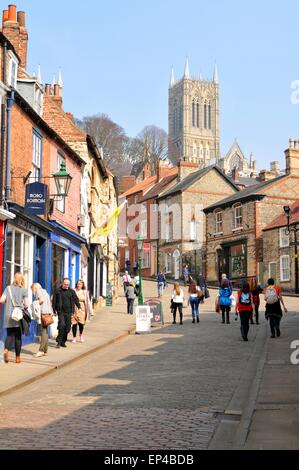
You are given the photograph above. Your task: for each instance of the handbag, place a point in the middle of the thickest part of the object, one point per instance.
(47, 320)
(54, 328)
(217, 305)
(17, 313)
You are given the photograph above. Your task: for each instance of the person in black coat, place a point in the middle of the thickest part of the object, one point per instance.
(201, 282)
(64, 302)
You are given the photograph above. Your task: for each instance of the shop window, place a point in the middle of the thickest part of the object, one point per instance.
(285, 272)
(238, 260)
(146, 260)
(58, 261)
(19, 256)
(284, 238)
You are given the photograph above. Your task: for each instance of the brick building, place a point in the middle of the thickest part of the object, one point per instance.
(235, 224)
(279, 255)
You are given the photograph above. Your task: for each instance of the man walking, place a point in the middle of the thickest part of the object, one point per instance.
(201, 282)
(64, 302)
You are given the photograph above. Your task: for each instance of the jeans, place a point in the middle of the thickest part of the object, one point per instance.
(160, 289)
(245, 318)
(175, 307)
(64, 327)
(194, 302)
(16, 335)
(130, 305)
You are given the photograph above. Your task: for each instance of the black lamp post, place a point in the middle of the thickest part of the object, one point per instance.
(140, 244)
(293, 229)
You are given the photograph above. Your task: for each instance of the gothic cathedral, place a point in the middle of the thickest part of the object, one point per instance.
(193, 117)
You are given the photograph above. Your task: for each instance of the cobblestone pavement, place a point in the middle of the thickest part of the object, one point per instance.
(158, 391)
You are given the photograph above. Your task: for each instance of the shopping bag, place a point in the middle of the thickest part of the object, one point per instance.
(217, 305)
(54, 328)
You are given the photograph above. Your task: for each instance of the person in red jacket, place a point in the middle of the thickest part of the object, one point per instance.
(245, 309)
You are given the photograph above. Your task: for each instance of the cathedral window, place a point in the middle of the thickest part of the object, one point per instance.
(205, 116)
(197, 115)
(209, 117)
(193, 113)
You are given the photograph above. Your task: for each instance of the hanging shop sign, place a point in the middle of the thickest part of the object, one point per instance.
(36, 198)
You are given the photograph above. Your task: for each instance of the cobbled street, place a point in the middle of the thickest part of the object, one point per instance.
(166, 390)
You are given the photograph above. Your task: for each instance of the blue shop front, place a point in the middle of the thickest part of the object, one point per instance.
(65, 255)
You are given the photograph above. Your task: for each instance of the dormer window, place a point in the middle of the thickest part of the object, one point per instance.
(237, 217)
(12, 73)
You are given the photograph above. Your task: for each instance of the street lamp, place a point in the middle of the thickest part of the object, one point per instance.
(140, 244)
(295, 230)
(62, 180)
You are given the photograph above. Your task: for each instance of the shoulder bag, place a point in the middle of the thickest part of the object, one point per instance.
(17, 313)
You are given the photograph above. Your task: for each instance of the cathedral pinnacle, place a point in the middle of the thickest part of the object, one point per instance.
(172, 79)
(216, 76)
(187, 73)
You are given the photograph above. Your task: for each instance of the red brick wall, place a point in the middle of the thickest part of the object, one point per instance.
(21, 163)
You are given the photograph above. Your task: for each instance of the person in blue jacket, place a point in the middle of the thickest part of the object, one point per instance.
(225, 300)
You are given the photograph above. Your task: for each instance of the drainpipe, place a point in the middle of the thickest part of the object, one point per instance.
(10, 102)
(3, 128)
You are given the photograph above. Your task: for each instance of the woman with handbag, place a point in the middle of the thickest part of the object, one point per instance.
(82, 315)
(15, 298)
(196, 296)
(42, 299)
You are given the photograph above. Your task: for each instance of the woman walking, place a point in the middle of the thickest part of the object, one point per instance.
(196, 295)
(131, 295)
(42, 297)
(14, 296)
(274, 300)
(177, 302)
(245, 309)
(225, 301)
(82, 315)
(256, 291)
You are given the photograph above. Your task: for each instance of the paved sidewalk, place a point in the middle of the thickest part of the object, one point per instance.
(109, 325)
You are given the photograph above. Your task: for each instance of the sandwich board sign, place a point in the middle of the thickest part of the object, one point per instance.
(143, 319)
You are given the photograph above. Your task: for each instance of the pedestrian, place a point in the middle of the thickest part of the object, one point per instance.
(201, 282)
(274, 301)
(14, 296)
(256, 291)
(225, 300)
(136, 284)
(42, 298)
(131, 295)
(223, 277)
(186, 274)
(161, 283)
(195, 297)
(135, 268)
(128, 265)
(245, 309)
(126, 281)
(177, 302)
(81, 316)
(65, 300)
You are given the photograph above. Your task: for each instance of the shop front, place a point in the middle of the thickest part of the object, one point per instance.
(65, 256)
(232, 260)
(98, 273)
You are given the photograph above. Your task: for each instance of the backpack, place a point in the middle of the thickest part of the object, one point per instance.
(225, 299)
(245, 298)
(271, 296)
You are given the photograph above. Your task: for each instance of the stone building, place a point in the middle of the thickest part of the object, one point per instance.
(235, 224)
(279, 255)
(182, 234)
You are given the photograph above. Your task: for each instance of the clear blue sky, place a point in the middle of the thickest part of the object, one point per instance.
(116, 58)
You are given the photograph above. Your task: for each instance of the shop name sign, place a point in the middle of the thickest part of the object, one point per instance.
(36, 198)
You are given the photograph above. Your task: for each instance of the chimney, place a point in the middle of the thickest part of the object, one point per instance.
(235, 174)
(126, 183)
(55, 94)
(70, 116)
(275, 167)
(266, 175)
(147, 171)
(186, 168)
(14, 28)
(292, 158)
(48, 89)
(162, 170)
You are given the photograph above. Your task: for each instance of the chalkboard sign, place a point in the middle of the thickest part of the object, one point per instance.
(156, 310)
(109, 295)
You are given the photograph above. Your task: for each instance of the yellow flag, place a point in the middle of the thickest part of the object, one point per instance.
(108, 226)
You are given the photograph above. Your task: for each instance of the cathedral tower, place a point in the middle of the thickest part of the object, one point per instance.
(193, 119)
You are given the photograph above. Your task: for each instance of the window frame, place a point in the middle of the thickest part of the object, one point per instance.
(36, 163)
(282, 268)
(285, 237)
(237, 225)
(12, 61)
(218, 222)
(60, 204)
